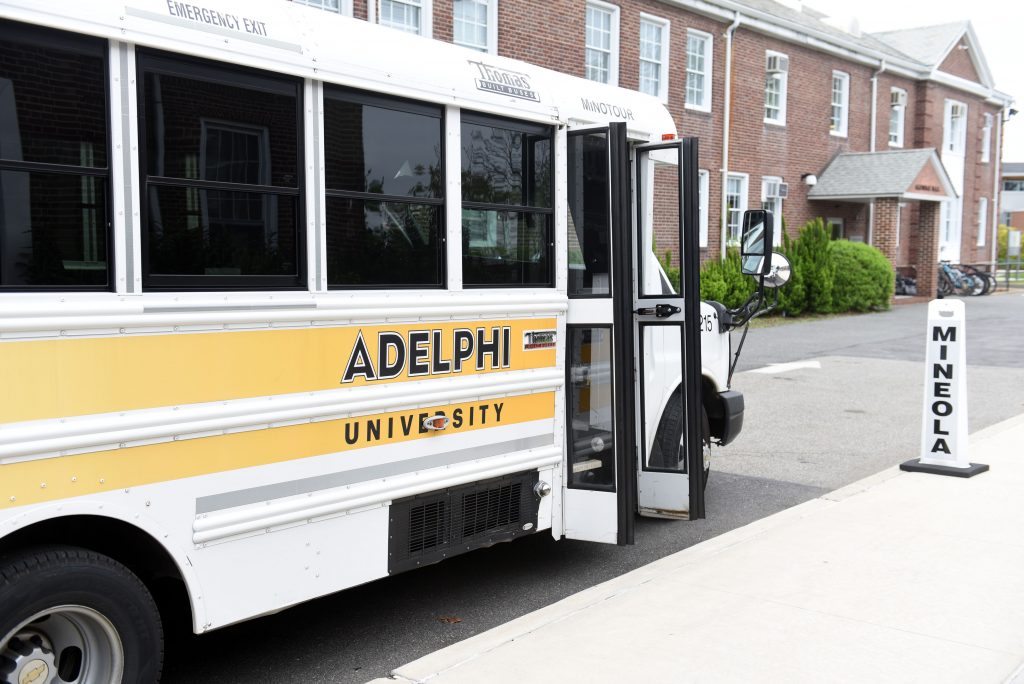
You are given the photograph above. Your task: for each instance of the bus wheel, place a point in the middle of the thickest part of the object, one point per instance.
(670, 439)
(72, 615)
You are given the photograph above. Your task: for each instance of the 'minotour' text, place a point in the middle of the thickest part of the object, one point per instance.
(419, 353)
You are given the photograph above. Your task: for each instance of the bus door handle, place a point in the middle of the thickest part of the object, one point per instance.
(661, 311)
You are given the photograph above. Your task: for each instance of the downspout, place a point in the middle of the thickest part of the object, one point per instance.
(872, 145)
(725, 133)
(996, 194)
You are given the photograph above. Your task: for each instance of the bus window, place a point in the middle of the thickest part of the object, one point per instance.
(589, 216)
(221, 180)
(385, 192)
(54, 175)
(506, 203)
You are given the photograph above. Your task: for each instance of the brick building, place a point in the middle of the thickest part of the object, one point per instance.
(777, 95)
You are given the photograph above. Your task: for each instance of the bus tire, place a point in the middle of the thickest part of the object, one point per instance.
(80, 613)
(669, 438)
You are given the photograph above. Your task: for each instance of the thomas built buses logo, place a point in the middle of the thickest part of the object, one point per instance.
(504, 82)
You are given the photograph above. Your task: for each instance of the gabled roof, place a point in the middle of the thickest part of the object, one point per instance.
(930, 45)
(926, 44)
(868, 175)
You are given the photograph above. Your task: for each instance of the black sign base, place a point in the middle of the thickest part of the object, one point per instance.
(915, 466)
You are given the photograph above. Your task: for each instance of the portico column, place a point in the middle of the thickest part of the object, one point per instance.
(926, 249)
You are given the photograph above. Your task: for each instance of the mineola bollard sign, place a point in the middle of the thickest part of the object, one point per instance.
(944, 447)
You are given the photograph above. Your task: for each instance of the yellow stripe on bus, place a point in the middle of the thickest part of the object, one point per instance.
(72, 377)
(61, 477)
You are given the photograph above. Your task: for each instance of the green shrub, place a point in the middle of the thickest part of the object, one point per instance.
(723, 281)
(792, 296)
(815, 264)
(864, 278)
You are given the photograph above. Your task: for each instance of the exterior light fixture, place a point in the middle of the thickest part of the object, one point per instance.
(809, 179)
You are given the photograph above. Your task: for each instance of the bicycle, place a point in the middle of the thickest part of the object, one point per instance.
(955, 281)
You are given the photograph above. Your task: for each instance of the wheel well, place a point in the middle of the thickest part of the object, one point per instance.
(125, 543)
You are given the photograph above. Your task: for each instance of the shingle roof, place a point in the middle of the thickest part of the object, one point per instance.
(808, 21)
(1013, 168)
(927, 44)
(872, 174)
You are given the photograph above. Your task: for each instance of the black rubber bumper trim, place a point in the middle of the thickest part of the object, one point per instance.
(731, 422)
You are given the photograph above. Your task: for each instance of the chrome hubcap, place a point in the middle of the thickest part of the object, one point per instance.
(62, 645)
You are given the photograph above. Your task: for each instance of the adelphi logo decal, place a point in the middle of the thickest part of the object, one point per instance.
(504, 82)
(419, 353)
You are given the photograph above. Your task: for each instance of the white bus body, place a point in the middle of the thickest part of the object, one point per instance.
(253, 442)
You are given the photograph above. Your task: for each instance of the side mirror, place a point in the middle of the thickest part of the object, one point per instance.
(756, 242)
(779, 271)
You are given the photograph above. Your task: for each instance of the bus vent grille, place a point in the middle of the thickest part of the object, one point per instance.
(490, 509)
(430, 527)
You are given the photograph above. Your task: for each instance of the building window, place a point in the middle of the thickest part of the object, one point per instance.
(835, 227)
(982, 220)
(897, 116)
(475, 24)
(698, 70)
(773, 191)
(384, 182)
(507, 217)
(775, 85)
(986, 139)
(654, 33)
(602, 43)
(54, 169)
(1013, 185)
(705, 195)
(735, 205)
(339, 6)
(411, 16)
(221, 175)
(840, 104)
(955, 130)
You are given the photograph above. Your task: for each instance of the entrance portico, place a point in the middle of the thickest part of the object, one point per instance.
(907, 188)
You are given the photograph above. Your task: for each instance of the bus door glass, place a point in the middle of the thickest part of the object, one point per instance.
(666, 310)
(598, 481)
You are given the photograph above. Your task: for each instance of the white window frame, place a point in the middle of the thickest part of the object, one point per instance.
(899, 111)
(783, 80)
(704, 177)
(774, 205)
(839, 126)
(663, 72)
(613, 46)
(344, 7)
(426, 28)
(492, 28)
(743, 196)
(986, 141)
(705, 104)
(982, 220)
(954, 140)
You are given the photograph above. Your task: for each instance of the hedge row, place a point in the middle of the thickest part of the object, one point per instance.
(829, 276)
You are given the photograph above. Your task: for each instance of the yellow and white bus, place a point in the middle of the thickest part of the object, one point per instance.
(290, 302)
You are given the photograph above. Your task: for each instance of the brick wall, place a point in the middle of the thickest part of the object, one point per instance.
(958, 63)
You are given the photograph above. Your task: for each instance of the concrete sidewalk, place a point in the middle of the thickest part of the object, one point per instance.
(901, 577)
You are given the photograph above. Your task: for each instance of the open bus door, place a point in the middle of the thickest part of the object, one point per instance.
(630, 408)
(599, 497)
(666, 325)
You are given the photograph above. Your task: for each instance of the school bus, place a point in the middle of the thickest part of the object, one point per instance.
(290, 303)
